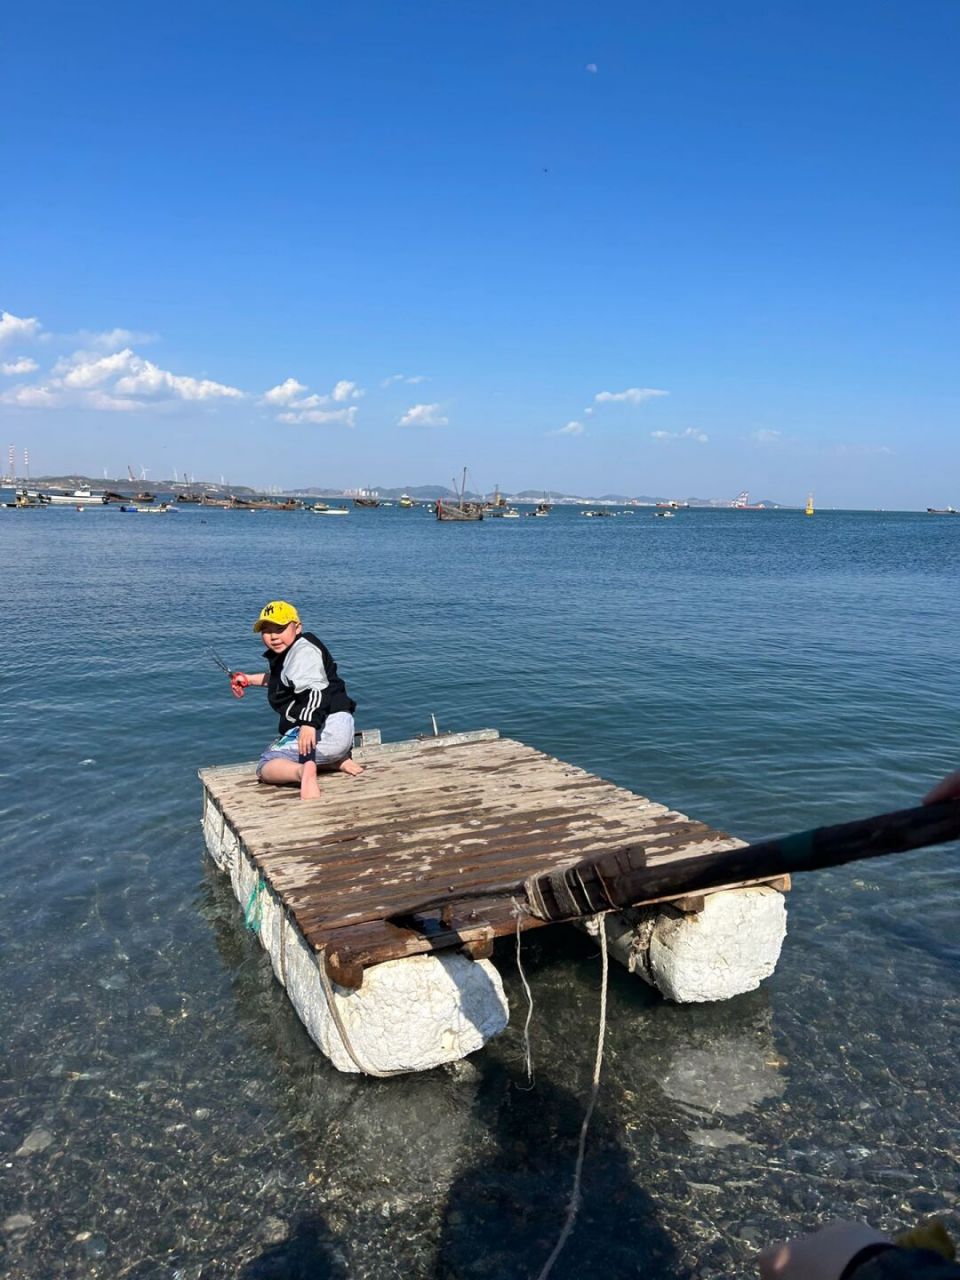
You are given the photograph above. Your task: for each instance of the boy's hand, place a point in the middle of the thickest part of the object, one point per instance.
(306, 739)
(238, 682)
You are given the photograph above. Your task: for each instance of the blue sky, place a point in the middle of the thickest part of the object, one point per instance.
(735, 224)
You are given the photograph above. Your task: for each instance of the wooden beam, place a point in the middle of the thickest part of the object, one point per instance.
(627, 876)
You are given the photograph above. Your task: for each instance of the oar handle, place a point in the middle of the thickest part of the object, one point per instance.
(625, 876)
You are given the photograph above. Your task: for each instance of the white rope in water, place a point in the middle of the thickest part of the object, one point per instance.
(573, 1208)
(527, 1055)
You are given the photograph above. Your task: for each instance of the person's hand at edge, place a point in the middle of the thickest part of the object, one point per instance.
(819, 1256)
(947, 789)
(238, 683)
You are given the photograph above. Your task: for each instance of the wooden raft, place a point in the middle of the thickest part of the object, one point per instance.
(457, 822)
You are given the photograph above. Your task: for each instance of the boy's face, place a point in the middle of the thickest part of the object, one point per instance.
(278, 639)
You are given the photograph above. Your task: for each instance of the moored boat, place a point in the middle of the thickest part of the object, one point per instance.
(742, 503)
(24, 501)
(60, 498)
(262, 504)
(455, 511)
(461, 509)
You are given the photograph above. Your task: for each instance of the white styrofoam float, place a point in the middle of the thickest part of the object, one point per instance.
(409, 1015)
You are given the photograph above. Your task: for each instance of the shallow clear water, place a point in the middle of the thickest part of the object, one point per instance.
(760, 671)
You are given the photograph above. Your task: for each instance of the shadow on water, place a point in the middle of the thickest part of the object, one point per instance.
(463, 1171)
(310, 1253)
(505, 1213)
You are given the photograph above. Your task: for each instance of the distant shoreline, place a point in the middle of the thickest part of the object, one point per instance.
(420, 493)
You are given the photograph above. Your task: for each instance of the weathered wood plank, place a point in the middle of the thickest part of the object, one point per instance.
(457, 823)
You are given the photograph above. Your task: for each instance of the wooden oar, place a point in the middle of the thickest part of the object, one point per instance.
(624, 877)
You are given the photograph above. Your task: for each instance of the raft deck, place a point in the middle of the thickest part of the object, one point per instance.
(429, 847)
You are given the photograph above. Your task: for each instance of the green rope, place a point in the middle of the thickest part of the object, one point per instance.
(253, 911)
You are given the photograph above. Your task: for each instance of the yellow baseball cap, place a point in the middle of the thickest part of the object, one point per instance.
(277, 611)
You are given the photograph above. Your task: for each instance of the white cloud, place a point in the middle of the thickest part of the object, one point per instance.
(423, 415)
(111, 404)
(12, 326)
(346, 416)
(411, 380)
(588, 411)
(765, 437)
(290, 394)
(114, 382)
(110, 339)
(691, 433)
(592, 68)
(632, 395)
(571, 429)
(284, 392)
(344, 390)
(22, 364)
(84, 369)
(149, 380)
(31, 397)
(861, 450)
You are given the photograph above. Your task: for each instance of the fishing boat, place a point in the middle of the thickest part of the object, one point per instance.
(742, 503)
(60, 498)
(163, 509)
(497, 503)
(406, 501)
(262, 504)
(321, 510)
(664, 515)
(506, 513)
(461, 509)
(24, 501)
(595, 514)
(808, 509)
(366, 502)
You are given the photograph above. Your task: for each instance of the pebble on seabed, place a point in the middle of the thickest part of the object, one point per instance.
(36, 1140)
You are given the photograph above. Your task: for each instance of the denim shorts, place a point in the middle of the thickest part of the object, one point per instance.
(334, 743)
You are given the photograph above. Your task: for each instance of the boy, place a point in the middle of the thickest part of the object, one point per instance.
(316, 713)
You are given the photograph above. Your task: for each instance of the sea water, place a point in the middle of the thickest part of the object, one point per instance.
(165, 1114)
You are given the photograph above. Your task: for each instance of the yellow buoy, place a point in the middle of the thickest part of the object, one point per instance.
(809, 507)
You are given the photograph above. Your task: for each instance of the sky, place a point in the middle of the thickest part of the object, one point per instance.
(678, 249)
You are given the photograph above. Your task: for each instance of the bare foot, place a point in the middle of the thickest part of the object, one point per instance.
(309, 787)
(351, 767)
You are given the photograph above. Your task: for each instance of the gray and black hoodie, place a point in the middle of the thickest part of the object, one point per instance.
(304, 687)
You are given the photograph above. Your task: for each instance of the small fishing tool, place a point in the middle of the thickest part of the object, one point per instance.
(238, 681)
(220, 663)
